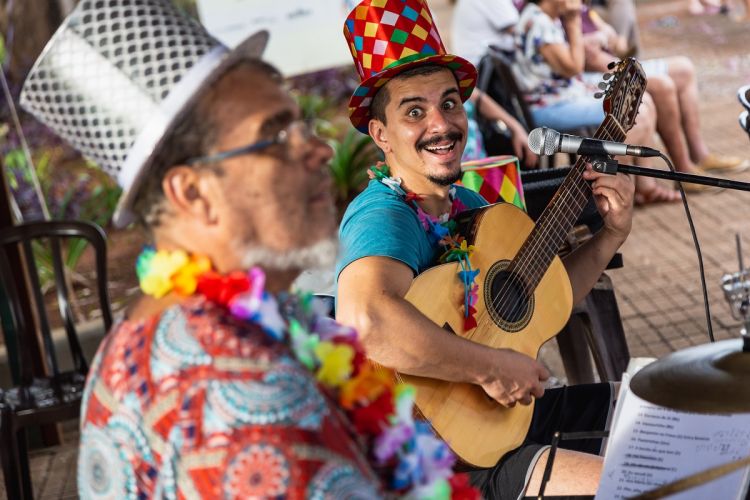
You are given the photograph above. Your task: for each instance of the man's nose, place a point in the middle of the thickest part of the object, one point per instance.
(318, 153)
(438, 122)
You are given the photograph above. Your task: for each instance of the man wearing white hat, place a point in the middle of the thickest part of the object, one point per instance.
(211, 386)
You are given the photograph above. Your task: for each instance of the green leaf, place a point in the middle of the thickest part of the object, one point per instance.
(3, 52)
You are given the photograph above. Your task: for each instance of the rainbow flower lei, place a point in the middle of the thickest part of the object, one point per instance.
(441, 232)
(412, 460)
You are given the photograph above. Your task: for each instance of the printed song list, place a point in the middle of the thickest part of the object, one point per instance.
(651, 445)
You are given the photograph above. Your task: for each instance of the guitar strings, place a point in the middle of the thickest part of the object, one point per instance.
(529, 258)
(534, 246)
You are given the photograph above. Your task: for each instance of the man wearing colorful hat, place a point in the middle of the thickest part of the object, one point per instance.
(216, 383)
(410, 102)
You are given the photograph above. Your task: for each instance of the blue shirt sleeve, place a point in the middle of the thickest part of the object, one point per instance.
(379, 223)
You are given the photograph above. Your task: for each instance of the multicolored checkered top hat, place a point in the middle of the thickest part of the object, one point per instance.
(388, 37)
(117, 76)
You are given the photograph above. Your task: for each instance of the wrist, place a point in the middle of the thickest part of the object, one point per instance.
(479, 372)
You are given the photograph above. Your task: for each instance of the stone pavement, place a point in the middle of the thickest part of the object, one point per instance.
(658, 289)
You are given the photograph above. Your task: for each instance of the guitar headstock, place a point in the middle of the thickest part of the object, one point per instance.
(622, 90)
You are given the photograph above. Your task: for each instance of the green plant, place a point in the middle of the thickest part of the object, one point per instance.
(315, 109)
(353, 155)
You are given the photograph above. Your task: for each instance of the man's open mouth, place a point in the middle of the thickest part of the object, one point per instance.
(442, 148)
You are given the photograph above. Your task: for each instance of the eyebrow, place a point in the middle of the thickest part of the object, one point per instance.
(408, 100)
(275, 122)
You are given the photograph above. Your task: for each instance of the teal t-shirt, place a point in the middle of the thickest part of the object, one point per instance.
(378, 222)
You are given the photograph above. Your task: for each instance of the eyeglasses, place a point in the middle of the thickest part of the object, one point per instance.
(283, 138)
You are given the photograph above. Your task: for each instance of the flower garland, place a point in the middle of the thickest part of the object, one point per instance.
(441, 232)
(419, 464)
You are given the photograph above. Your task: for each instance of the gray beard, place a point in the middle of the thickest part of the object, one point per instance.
(318, 255)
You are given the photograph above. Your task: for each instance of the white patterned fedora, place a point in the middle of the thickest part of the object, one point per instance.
(117, 75)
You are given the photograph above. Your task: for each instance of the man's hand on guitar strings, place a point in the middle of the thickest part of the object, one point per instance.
(613, 195)
(514, 378)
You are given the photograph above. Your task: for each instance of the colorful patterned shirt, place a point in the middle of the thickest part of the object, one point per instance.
(540, 84)
(196, 404)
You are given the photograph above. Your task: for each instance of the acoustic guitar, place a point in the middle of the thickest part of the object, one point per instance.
(525, 296)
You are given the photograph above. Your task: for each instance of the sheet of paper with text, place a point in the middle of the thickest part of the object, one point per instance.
(650, 445)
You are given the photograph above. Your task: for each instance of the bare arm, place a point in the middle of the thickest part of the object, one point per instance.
(371, 294)
(567, 59)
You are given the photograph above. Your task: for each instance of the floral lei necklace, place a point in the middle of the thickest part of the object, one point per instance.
(441, 231)
(416, 464)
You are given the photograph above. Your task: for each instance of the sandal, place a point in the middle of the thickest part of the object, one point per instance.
(691, 188)
(722, 163)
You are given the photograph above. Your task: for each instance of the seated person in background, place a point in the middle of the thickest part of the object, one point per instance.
(621, 15)
(481, 24)
(210, 387)
(478, 25)
(549, 69)
(395, 229)
(674, 89)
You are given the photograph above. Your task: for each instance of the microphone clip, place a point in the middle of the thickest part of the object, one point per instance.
(604, 164)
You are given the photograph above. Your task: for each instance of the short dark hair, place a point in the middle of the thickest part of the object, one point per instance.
(193, 136)
(383, 97)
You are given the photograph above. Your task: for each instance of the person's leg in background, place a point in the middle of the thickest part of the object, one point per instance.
(621, 15)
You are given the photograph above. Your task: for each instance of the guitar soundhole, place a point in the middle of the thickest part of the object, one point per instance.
(507, 299)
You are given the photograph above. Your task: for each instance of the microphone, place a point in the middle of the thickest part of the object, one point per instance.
(546, 141)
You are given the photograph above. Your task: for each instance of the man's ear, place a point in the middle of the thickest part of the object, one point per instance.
(188, 193)
(379, 134)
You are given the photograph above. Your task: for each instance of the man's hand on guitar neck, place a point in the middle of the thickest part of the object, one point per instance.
(514, 378)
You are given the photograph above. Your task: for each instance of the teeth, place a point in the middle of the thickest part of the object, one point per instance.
(441, 148)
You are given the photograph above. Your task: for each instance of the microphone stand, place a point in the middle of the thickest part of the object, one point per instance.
(607, 165)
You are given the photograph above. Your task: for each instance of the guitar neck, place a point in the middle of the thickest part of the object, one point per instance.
(563, 210)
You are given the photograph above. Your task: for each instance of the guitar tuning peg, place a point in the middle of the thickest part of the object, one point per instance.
(598, 95)
(607, 76)
(611, 65)
(602, 85)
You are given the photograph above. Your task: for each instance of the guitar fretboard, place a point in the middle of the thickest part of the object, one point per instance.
(563, 210)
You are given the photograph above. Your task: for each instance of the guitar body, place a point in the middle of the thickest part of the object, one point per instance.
(477, 428)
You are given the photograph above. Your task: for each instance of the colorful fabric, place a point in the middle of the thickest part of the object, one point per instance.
(496, 178)
(195, 404)
(540, 84)
(387, 37)
(285, 396)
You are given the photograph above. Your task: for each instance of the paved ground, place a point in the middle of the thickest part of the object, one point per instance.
(659, 288)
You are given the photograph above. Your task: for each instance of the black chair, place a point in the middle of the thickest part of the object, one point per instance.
(497, 80)
(42, 399)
